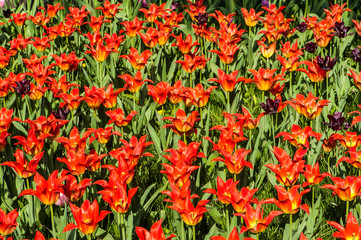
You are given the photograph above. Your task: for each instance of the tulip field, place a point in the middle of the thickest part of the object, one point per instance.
(180, 119)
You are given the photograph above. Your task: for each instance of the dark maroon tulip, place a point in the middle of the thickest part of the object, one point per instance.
(271, 106)
(337, 122)
(326, 63)
(22, 87)
(311, 47)
(174, 5)
(201, 18)
(61, 113)
(265, 3)
(302, 27)
(341, 30)
(356, 55)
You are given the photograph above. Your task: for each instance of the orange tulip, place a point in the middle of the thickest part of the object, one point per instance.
(74, 142)
(240, 199)
(175, 92)
(153, 12)
(51, 10)
(251, 18)
(186, 153)
(134, 84)
(227, 81)
(264, 79)
(249, 122)
(352, 231)
(288, 171)
(314, 73)
(197, 95)
(86, 217)
(47, 191)
(178, 173)
(32, 144)
(19, 18)
(109, 10)
(150, 38)
(289, 201)
(192, 62)
(115, 193)
(299, 137)
(313, 176)
(101, 52)
(72, 100)
(182, 125)
(308, 107)
(8, 222)
(253, 218)
(133, 27)
(156, 231)
(346, 189)
(159, 93)
(72, 190)
(118, 118)
(235, 163)
(138, 61)
(356, 77)
(67, 62)
(22, 167)
(224, 190)
(267, 51)
(193, 215)
(186, 45)
(357, 26)
(349, 141)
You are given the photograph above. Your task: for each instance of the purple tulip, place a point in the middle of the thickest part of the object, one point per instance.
(22, 87)
(337, 122)
(326, 63)
(271, 106)
(311, 47)
(302, 27)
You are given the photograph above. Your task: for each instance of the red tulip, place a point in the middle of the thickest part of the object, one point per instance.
(255, 223)
(299, 137)
(227, 82)
(181, 124)
(86, 217)
(178, 173)
(47, 191)
(133, 85)
(289, 201)
(240, 199)
(313, 176)
(224, 190)
(160, 92)
(156, 231)
(233, 236)
(8, 222)
(346, 189)
(352, 231)
(118, 118)
(22, 167)
(138, 61)
(186, 45)
(235, 163)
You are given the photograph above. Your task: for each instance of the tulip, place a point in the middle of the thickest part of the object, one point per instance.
(178, 173)
(346, 189)
(299, 137)
(138, 61)
(235, 163)
(224, 190)
(352, 231)
(356, 77)
(86, 217)
(311, 47)
(181, 124)
(254, 220)
(227, 81)
(337, 122)
(8, 222)
(22, 167)
(156, 232)
(251, 18)
(308, 107)
(264, 79)
(186, 45)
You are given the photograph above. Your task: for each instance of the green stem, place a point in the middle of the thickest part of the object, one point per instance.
(134, 101)
(89, 237)
(313, 196)
(347, 208)
(201, 116)
(190, 80)
(52, 220)
(228, 104)
(306, 8)
(290, 226)
(194, 232)
(122, 224)
(227, 219)
(290, 85)
(182, 230)
(234, 177)
(257, 235)
(185, 138)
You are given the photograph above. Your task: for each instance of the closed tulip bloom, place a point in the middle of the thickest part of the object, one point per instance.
(86, 217)
(8, 222)
(156, 232)
(352, 231)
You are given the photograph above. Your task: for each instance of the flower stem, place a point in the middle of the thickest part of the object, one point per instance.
(227, 219)
(313, 196)
(194, 232)
(290, 226)
(122, 225)
(290, 85)
(228, 104)
(182, 230)
(185, 138)
(89, 237)
(52, 220)
(347, 207)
